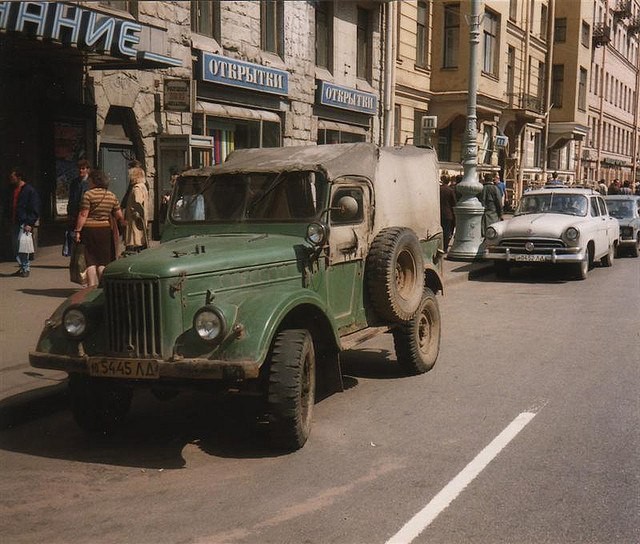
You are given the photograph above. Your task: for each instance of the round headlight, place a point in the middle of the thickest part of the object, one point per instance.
(74, 322)
(209, 324)
(572, 234)
(491, 233)
(316, 233)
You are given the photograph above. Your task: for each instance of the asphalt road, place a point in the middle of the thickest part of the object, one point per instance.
(558, 359)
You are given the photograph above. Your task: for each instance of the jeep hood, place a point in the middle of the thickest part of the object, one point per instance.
(207, 253)
(540, 225)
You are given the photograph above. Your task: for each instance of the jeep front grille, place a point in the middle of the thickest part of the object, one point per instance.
(133, 317)
(540, 244)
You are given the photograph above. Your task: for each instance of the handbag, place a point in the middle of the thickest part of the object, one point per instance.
(25, 242)
(67, 244)
(78, 264)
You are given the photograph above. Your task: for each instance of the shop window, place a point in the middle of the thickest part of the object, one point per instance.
(324, 35)
(229, 134)
(331, 136)
(491, 24)
(272, 26)
(131, 5)
(422, 35)
(364, 47)
(451, 35)
(205, 18)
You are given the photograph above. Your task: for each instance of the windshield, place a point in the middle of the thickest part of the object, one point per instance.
(620, 209)
(249, 197)
(553, 202)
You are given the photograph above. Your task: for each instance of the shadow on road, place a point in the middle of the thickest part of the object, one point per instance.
(376, 364)
(526, 274)
(54, 292)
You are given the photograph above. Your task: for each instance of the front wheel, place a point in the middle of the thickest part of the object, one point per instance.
(417, 342)
(581, 269)
(635, 250)
(291, 394)
(98, 406)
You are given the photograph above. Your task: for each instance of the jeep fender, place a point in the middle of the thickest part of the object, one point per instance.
(293, 309)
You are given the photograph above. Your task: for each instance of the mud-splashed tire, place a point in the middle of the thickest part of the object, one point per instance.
(291, 394)
(395, 274)
(417, 342)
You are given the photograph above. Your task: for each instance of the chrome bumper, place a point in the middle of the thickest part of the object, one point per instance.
(552, 255)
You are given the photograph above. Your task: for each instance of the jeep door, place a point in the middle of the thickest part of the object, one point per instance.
(348, 242)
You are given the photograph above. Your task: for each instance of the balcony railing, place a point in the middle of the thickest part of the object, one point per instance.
(634, 26)
(601, 34)
(523, 101)
(622, 10)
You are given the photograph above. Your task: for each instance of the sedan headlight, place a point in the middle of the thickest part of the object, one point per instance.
(210, 324)
(74, 322)
(491, 233)
(572, 234)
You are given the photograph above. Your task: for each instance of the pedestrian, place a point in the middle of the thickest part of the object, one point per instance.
(25, 211)
(97, 207)
(136, 212)
(555, 181)
(626, 188)
(490, 198)
(77, 188)
(614, 188)
(447, 202)
(602, 187)
(502, 186)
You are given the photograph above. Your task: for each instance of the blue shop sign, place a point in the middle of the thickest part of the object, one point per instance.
(227, 71)
(348, 99)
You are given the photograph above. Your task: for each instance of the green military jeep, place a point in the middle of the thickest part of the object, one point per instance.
(270, 265)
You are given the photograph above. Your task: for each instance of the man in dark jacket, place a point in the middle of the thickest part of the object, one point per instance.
(491, 200)
(447, 203)
(77, 188)
(25, 210)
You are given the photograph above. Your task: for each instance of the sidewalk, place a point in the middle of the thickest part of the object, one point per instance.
(27, 302)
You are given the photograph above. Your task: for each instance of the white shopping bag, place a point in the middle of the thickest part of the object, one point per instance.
(25, 242)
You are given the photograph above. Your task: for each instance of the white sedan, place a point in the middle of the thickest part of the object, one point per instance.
(555, 225)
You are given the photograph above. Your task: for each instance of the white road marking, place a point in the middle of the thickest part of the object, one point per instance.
(430, 512)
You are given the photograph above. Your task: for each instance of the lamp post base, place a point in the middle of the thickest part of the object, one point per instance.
(468, 238)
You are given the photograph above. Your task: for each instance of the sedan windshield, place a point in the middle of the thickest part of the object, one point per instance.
(248, 197)
(620, 209)
(553, 202)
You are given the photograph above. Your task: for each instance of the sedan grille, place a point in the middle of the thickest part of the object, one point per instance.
(133, 317)
(626, 232)
(540, 244)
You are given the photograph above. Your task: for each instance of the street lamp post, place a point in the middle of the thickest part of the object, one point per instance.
(468, 212)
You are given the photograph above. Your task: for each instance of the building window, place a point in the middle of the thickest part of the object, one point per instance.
(560, 30)
(585, 36)
(511, 69)
(444, 144)
(451, 35)
(272, 26)
(513, 9)
(582, 90)
(491, 24)
(557, 85)
(422, 35)
(205, 18)
(324, 35)
(544, 21)
(364, 47)
(419, 137)
(542, 80)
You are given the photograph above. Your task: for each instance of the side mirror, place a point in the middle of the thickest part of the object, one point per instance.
(346, 208)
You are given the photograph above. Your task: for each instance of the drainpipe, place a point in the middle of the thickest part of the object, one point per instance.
(389, 72)
(523, 132)
(548, 105)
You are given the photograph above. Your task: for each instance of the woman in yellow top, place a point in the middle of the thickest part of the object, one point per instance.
(93, 226)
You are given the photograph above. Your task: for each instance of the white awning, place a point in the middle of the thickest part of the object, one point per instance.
(234, 112)
(342, 127)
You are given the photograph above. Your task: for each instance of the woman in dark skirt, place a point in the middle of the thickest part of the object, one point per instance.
(93, 227)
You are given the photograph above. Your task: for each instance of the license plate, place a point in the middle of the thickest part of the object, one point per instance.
(530, 258)
(133, 370)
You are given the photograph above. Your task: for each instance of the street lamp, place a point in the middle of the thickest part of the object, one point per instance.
(468, 212)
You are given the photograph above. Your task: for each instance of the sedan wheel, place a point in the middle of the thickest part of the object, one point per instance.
(582, 268)
(607, 260)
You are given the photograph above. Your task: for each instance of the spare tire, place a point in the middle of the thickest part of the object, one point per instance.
(395, 274)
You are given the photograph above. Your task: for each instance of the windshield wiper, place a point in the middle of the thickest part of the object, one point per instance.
(253, 205)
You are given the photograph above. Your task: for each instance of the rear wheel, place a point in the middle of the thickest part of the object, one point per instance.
(98, 406)
(417, 342)
(635, 250)
(292, 384)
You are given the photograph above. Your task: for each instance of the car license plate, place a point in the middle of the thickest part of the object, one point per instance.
(530, 258)
(133, 370)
